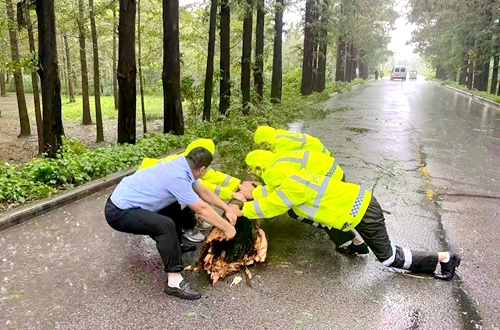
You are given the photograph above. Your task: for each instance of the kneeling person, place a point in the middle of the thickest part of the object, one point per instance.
(149, 203)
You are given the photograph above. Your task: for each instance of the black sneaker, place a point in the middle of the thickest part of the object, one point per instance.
(448, 268)
(353, 249)
(184, 292)
(187, 248)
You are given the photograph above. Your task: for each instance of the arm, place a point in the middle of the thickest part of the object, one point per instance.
(221, 179)
(210, 197)
(208, 214)
(223, 193)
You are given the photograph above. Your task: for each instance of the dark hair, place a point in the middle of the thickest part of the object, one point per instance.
(199, 157)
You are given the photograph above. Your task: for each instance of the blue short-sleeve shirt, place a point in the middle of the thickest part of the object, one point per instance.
(156, 187)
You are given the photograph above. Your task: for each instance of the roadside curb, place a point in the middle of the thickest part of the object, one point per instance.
(25, 213)
(473, 96)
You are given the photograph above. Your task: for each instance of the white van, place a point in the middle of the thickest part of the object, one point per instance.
(398, 72)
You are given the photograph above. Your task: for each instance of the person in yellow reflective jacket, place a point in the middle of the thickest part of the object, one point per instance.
(291, 162)
(278, 140)
(324, 202)
(224, 185)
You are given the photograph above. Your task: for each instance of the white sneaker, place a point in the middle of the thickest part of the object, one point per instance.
(202, 225)
(194, 235)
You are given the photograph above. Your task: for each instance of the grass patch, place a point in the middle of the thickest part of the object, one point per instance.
(486, 95)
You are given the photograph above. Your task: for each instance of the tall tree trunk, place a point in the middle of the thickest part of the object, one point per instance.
(86, 118)
(315, 65)
(341, 60)
(258, 73)
(18, 78)
(141, 81)
(49, 77)
(276, 84)
(97, 80)
(126, 73)
(494, 76)
(354, 63)
(63, 72)
(470, 74)
(225, 59)
(246, 57)
(322, 63)
(209, 75)
(172, 111)
(486, 75)
(348, 62)
(307, 60)
(463, 74)
(3, 87)
(34, 81)
(71, 76)
(115, 81)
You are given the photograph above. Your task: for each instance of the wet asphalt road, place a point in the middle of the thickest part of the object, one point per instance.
(431, 158)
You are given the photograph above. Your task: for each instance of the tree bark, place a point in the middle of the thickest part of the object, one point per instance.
(18, 78)
(348, 62)
(3, 87)
(172, 111)
(258, 73)
(354, 62)
(322, 63)
(49, 77)
(115, 81)
(246, 57)
(315, 65)
(126, 73)
(225, 58)
(494, 75)
(86, 118)
(307, 60)
(71, 76)
(36, 90)
(341, 60)
(97, 79)
(209, 75)
(141, 81)
(276, 84)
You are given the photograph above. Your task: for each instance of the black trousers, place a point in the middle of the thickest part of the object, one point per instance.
(372, 229)
(165, 227)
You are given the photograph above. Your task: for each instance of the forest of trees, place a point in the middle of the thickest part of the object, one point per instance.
(461, 39)
(90, 48)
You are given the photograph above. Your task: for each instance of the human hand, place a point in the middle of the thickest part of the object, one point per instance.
(239, 196)
(230, 232)
(231, 216)
(236, 210)
(246, 191)
(247, 184)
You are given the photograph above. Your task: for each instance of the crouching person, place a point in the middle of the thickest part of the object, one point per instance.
(149, 203)
(334, 204)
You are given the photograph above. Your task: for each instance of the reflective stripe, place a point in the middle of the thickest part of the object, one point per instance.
(301, 139)
(311, 210)
(332, 169)
(302, 161)
(324, 150)
(226, 180)
(285, 198)
(217, 190)
(408, 258)
(257, 208)
(358, 202)
(264, 191)
(388, 262)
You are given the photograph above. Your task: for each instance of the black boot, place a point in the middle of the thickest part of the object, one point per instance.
(448, 268)
(187, 248)
(353, 249)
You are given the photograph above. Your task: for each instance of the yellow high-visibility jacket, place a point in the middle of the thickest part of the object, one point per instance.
(294, 161)
(279, 140)
(222, 184)
(328, 202)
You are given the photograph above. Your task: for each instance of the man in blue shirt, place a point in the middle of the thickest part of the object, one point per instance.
(150, 202)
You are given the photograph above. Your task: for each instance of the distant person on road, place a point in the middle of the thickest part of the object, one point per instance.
(320, 201)
(278, 140)
(381, 74)
(153, 202)
(376, 75)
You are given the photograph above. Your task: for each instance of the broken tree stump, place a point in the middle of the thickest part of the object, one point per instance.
(220, 258)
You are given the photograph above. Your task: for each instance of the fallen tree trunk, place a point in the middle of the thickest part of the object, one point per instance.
(220, 258)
